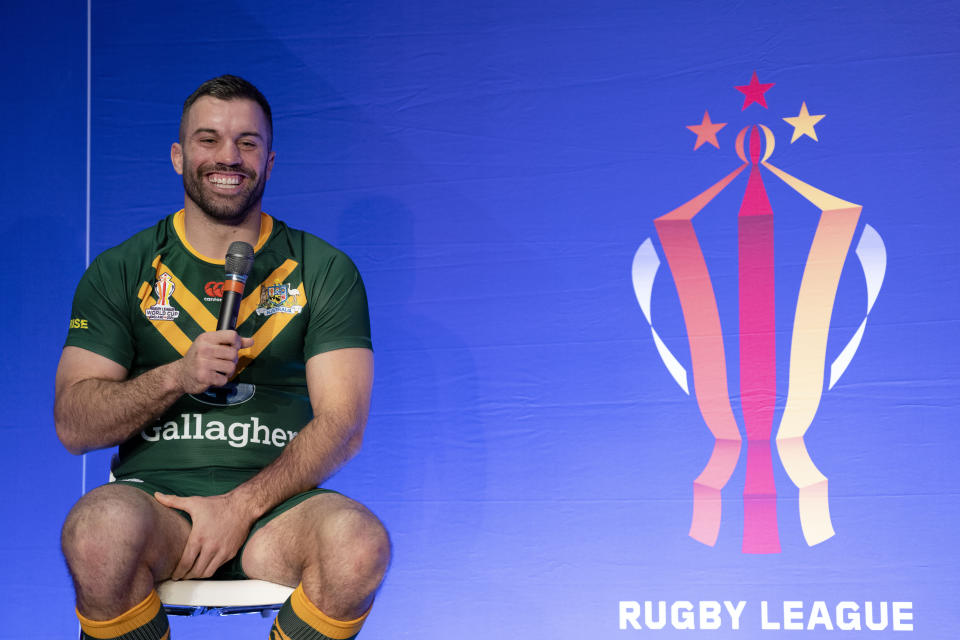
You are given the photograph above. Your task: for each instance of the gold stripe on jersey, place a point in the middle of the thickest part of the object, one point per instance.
(267, 332)
(173, 334)
(190, 303)
(177, 338)
(180, 226)
(270, 329)
(252, 300)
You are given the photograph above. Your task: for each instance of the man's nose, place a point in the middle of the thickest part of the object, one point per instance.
(228, 153)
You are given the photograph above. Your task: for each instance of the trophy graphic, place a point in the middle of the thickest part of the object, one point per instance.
(829, 248)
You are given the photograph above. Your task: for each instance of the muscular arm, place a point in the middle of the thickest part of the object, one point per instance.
(96, 406)
(339, 383)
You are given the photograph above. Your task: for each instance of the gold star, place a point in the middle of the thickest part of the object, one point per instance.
(803, 124)
(706, 131)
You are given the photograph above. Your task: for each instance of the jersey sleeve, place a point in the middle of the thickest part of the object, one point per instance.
(98, 321)
(339, 317)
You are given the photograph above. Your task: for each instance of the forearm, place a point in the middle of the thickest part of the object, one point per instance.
(97, 406)
(95, 413)
(324, 445)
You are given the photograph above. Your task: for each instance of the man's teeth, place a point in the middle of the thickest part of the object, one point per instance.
(225, 180)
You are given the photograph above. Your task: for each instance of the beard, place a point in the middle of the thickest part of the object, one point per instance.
(229, 209)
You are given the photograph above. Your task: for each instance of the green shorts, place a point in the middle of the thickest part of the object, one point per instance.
(211, 482)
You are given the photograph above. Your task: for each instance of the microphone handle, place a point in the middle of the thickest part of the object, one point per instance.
(230, 304)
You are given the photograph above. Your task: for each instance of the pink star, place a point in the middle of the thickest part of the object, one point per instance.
(754, 92)
(706, 131)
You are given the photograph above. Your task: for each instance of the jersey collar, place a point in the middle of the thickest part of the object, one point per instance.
(179, 225)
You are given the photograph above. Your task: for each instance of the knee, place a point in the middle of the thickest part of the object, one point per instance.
(361, 548)
(105, 528)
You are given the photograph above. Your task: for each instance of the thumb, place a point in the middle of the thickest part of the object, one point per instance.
(246, 343)
(174, 502)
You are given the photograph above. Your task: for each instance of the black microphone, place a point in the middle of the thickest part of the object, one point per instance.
(237, 265)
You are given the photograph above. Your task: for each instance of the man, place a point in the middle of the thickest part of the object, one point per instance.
(220, 483)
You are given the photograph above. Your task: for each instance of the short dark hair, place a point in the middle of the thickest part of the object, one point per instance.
(228, 87)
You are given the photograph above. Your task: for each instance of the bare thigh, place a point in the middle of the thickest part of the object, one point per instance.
(118, 542)
(279, 551)
(332, 545)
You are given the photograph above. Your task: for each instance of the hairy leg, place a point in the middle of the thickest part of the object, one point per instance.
(331, 544)
(119, 542)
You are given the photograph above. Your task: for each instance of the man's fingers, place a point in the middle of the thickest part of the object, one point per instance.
(220, 336)
(220, 358)
(219, 353)
(212, 359)
(208, 562)
(215, 535)
(192, 548)
(228, 337)
(206, 565)
(174, 502)
(200, 564)
(187, 559)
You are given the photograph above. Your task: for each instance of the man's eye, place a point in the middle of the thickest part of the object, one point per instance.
(246, 144)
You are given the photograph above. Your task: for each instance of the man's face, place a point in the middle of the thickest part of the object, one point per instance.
(224, 157)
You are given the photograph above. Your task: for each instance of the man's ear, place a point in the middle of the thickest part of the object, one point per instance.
(270, 158)
(176, 157)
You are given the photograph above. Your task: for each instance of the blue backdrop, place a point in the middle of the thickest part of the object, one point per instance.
(493, 167)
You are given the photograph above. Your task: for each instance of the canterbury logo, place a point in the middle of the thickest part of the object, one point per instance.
(214, 289)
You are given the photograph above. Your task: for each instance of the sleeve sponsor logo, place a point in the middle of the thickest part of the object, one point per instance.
(79, 323)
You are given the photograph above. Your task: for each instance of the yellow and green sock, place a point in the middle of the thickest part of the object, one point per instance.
(299, 619)
(146, 621)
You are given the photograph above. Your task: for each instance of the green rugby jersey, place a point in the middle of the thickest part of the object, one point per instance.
(142, 303)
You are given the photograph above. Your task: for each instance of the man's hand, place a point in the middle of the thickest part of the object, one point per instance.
(97, 406)
(211, 360)
(219, 529)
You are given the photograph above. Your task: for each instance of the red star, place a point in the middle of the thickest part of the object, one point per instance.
(706, 131)
(754, 92)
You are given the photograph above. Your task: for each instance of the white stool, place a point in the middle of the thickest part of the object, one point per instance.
(218, 597)
(221, 597)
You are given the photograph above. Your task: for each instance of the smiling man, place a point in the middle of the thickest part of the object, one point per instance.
(223, 440)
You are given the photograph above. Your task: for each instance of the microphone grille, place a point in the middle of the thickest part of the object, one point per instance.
(239, 259)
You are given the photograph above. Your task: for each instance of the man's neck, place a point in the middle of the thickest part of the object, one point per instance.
(211, 238)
